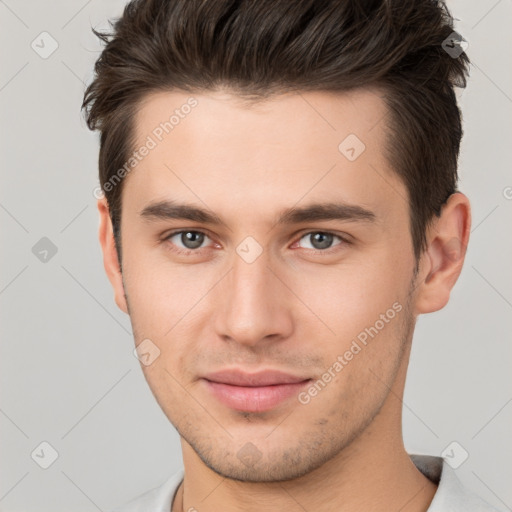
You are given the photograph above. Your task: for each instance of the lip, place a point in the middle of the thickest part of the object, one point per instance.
(253, 392)
(263, 378)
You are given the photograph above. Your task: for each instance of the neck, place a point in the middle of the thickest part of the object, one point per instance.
(374, 472)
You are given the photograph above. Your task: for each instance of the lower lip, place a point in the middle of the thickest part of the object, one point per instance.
(254, 399)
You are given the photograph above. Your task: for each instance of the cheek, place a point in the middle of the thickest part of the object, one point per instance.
(161, 293)
(349, 298)
(364, 372)
(165, 301)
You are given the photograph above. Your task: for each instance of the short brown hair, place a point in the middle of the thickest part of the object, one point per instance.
(258, 48)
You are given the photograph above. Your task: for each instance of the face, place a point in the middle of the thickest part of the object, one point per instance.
(302, 263)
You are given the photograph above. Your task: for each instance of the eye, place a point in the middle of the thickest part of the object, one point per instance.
(321, 240)
(187, 241)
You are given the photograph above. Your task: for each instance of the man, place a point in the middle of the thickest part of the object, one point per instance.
(280, 205)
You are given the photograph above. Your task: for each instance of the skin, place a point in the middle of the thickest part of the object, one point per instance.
(291, 309)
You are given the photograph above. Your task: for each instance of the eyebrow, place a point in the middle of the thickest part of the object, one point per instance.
(167, 210)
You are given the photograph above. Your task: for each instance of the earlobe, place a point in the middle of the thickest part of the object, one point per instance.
(110, 256)
(442, 261)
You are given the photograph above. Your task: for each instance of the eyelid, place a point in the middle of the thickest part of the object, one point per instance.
(167, 236)
(345, 239)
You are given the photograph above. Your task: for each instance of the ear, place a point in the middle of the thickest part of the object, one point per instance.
(110, 256)
(441, 263)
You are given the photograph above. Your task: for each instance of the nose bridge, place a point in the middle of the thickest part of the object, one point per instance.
(250, 280)
(252, 304)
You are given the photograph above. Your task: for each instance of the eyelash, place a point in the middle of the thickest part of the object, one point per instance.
(187, 252)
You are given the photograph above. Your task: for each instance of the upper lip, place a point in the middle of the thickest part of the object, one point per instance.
(262, 378)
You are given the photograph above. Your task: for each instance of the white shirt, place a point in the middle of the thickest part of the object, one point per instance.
(451, 495)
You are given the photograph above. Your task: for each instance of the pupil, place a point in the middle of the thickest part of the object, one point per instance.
(192, 239)
(322, 240)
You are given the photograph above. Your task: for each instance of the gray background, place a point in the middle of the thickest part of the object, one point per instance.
(68, 375)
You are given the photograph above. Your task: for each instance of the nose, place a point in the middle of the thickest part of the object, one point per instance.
(253, 305)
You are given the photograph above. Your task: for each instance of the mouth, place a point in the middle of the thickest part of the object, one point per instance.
(256, 392)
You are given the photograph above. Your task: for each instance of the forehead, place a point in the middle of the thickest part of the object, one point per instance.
(221, 150)
(279, 119)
